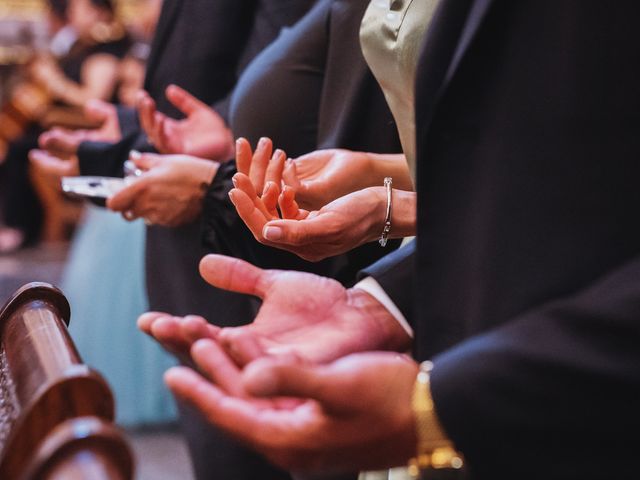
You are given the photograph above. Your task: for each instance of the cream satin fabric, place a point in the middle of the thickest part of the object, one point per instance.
(391, 35)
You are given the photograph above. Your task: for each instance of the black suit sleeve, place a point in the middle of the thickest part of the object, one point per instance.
(128, 120)
(499, 394)
(395, 274)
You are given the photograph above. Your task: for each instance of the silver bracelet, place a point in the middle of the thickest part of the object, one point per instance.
(384, 238)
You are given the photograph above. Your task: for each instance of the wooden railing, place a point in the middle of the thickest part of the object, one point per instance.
(56, 414)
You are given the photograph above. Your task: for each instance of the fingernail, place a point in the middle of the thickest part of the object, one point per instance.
(272, 233)
(234, 181)
(135, 155)
(262, 141)
(278, 153)
(231, 194)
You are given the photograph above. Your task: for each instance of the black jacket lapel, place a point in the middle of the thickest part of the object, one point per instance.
(454, 26)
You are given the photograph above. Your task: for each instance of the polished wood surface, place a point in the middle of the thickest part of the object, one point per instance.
(43, 382)
(82, 448)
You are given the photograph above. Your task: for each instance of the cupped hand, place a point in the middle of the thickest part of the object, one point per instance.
(336, 228)
(305, 316)
(202, 133)
(355, 413)
(325, 175)
(169, 193)
(62, 142)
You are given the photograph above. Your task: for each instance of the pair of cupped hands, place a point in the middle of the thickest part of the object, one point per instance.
(314, 383)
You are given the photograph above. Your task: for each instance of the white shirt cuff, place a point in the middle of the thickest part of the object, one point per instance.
(373, 288)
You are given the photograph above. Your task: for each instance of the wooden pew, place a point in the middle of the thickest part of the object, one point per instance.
(56, 414)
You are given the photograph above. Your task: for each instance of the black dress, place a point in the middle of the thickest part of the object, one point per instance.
(311, 89)
(21, 206)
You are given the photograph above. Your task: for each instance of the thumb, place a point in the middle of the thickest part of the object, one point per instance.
(296, 232)
(235, 275)
(145, 161)
(124, 199)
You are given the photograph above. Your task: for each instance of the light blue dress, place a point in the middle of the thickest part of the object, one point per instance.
(104, 282)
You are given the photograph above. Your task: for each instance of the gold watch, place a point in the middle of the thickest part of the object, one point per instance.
(434, 449)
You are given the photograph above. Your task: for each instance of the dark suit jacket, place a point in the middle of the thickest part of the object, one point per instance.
(528, 255)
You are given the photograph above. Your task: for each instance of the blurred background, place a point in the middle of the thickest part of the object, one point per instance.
(92, 255)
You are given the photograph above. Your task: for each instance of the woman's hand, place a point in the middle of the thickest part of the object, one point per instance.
(322, 176)
(354, 414)
(202, 133)
(169, 193)
(340, 226)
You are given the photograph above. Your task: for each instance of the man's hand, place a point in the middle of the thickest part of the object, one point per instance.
(169, 193)
(64, 143)
(202, 133)
(355, 414)
(305, 316)
(177, 334)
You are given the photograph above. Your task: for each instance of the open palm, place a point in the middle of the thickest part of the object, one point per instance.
(308, 316)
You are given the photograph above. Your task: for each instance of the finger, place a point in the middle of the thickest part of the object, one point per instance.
(273, 377)
(290, 175)
(241, 345)
(59, 140)
(145, 161)
(125, 199)
(213, 361)
(164, 138)
(236, 416)
(166, 330)
(298, 232)
(288, 205)
(183, 100)
(51, 165)
(242, 182)
(195, 328)
(270, 198)
(259, 163)
(146, 320)
(97, 110)
(244, 154)
(252, 217)
(156, 128)
(146, 110)
(276, 167)
(236, 275)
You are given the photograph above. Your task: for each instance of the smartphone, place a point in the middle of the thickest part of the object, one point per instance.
(94, 188)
